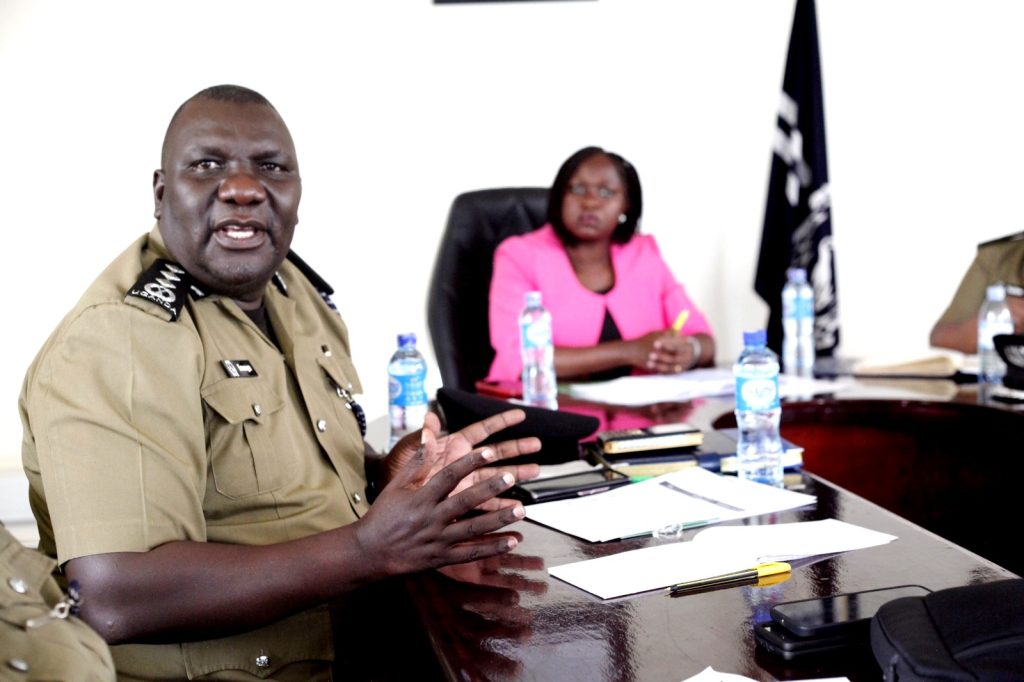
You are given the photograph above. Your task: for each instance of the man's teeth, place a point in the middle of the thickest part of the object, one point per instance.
(239, 232)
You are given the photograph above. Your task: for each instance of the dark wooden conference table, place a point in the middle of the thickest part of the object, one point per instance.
(940, 468)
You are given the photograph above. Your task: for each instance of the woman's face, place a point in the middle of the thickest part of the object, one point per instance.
(594, 200)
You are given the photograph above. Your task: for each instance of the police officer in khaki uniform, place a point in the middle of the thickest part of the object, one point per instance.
(194, 452)
(998, 261)
(40, 638)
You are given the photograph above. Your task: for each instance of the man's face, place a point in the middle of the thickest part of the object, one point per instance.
(227, 197)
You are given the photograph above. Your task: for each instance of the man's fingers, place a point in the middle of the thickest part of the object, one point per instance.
(480, 548)
(415, 470)
(472, 497)
(514, 448)
(479, 431)
(447, 479)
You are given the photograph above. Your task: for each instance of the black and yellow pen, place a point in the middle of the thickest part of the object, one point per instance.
(745, 577)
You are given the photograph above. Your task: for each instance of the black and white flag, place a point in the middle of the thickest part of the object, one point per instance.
(798, 214)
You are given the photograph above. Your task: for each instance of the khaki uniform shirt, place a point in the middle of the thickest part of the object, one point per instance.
(147, 423)
(998, 261)
(49, 649)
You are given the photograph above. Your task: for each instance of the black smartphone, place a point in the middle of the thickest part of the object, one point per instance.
(569, 485)
(780, 642)
(843, 614)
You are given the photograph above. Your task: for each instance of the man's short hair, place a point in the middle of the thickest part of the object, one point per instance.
(236, 94)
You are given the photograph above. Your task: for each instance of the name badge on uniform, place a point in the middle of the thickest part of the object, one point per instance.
(239, 369)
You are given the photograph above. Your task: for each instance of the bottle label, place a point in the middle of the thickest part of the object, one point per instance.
(407, 390)
(805, 307)
(536, 334)
(757, 394)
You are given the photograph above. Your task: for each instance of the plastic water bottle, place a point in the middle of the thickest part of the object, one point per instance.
(540, 388)
(798, 351)
(758, 446)
(407, 395)
(993, 319)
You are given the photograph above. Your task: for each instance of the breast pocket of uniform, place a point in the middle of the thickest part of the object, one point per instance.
(341, 381)
(239, 422)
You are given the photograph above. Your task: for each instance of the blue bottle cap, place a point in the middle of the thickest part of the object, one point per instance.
(755, 338)
(406, 340)
(796, 275)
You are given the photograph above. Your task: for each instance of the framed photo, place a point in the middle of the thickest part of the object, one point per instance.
(457, 2)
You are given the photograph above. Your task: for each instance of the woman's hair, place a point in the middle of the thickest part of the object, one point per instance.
(634, 201)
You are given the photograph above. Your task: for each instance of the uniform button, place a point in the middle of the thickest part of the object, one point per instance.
(257, 409)
(326, 350)
(321, 425)
(262, 661)
(18, 585)
(357, 498)
(18, 664)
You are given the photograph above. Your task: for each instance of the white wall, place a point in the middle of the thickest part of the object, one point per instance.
(397, 106)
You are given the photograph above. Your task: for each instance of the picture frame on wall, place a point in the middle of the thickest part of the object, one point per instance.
(460, 2)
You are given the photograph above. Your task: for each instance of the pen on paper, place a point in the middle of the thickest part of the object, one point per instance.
(750, 575)
(697, 496)
(677, 326)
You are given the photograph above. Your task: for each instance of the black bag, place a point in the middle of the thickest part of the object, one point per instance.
(972, 633)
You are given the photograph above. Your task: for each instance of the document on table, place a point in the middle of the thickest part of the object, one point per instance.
(690, 497)
(712, 552)
(709, 674)
(696, 383)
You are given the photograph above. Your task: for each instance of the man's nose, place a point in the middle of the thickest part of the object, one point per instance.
(241, 186)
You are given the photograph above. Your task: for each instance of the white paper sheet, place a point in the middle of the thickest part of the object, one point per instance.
(709, 674)
(692, 497)
(696, 383)
(714, 551)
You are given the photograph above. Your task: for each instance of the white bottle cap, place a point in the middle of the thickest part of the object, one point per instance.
(532, 298)
(996, 292)
(796, 275)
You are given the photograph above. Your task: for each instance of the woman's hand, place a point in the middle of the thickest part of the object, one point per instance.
(663, 352)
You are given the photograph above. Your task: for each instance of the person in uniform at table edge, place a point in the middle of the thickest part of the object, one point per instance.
(1000, 261)
(195, 456)
(41, 637)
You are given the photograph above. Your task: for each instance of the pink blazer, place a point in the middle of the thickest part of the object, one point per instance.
(646, 296)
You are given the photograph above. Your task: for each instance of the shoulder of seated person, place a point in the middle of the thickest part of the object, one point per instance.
(1016, 237)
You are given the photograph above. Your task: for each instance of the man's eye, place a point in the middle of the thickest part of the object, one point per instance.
(205, 165)
(271, 167)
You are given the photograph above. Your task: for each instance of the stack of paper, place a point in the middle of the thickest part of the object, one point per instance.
(696, 383)
(933, 362)
(691, 497)
(714, 551)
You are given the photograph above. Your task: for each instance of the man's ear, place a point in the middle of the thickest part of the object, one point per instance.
(158, 192)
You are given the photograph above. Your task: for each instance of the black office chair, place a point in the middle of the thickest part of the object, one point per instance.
(459, 286)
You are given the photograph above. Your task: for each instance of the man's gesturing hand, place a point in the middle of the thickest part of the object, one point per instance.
(454, 446)
(416, 523)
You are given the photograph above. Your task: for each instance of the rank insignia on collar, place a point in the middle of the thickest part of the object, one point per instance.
(166, 284)
(239, 369)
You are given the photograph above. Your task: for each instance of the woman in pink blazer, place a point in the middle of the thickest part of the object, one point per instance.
(612, 298)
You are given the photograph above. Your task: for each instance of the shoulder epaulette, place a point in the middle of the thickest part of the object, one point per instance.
(316, 280)
(322, 287)
(1008, 238)
(165, 284)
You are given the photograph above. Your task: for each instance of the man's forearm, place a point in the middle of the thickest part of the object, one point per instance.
(196, 590)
